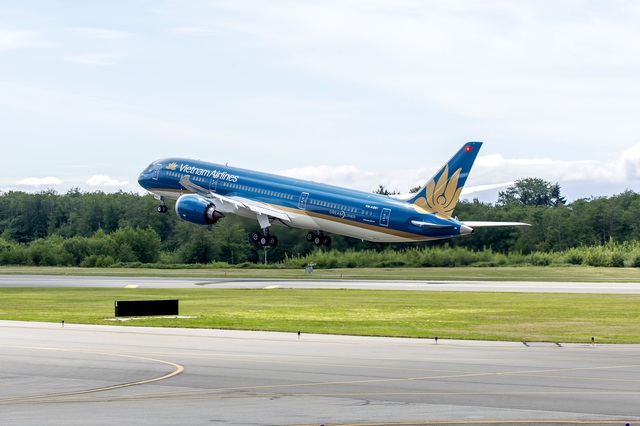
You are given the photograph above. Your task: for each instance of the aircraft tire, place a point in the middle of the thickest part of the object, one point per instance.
(326, 240)
(311, 236)
(273, 241)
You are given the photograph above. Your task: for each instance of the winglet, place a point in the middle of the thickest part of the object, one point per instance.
(440, 195)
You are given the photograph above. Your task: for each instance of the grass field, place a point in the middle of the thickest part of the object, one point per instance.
(526, 317)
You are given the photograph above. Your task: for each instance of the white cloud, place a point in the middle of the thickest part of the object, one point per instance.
(625, 168)
(102, 33)
(106, 46)
(629, 163)
(46, 181)
(155, 121)
(103, 180)
(97, 58)
(568, 76)
(192, 31)
(345, 175)
(17, 39)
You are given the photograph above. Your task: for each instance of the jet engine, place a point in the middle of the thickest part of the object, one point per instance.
(196, 209)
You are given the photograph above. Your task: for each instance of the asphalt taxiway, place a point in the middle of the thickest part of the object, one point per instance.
(124, 375)
(173, 282)
(82, 374)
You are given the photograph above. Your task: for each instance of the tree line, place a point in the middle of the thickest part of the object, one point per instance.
(104, 229)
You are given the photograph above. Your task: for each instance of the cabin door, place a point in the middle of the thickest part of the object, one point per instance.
(384, 217)
(302, 203)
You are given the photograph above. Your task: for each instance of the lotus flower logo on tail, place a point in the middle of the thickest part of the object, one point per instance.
(441, 197)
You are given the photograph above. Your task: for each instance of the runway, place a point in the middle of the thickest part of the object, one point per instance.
(149, 376)
(172, 282)
(82, 374)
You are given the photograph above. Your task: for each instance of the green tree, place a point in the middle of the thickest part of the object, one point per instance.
(142, 245)
(230, 242)
(198, 249)
(382, 190)
(532, 192)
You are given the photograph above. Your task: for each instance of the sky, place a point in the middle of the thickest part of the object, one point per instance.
(346, 92)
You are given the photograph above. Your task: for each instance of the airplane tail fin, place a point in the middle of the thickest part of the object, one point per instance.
(440, 195)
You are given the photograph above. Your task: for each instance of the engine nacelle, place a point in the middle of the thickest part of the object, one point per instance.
(196, 209)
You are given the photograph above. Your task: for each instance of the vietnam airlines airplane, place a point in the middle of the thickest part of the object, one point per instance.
(205, 192)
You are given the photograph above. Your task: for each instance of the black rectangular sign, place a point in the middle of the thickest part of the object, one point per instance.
(140, 308)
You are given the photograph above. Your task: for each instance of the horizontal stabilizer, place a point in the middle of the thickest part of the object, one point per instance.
(487, 224)
(430, 225)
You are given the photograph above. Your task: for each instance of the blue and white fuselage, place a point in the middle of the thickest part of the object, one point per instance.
(205, 192)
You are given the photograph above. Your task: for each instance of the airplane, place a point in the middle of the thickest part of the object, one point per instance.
(206, 192)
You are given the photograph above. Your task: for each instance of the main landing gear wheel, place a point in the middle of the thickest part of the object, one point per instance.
(162, 208)
(319, 239)
(262, 240)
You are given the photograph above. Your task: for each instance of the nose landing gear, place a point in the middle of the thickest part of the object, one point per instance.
(161, 208)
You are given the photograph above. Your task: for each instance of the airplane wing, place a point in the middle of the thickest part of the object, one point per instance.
(474, 224)
(237, 202)
(266, 209)
(184, 181)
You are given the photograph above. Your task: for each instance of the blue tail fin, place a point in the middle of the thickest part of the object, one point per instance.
(440, 195)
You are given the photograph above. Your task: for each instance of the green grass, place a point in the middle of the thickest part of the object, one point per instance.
(449, 315)
(524, 273)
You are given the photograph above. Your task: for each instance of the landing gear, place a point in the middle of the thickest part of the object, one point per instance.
(161, 208)
(264, 240)
(319, 239)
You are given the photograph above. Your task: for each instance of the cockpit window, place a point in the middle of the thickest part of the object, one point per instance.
(153, 167)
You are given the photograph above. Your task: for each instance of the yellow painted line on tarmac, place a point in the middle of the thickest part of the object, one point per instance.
(21, 399)
(132, 286)
(255, 392)
(204, 393)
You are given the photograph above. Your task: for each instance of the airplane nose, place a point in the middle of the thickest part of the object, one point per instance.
(143, 180)
(464, 230)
